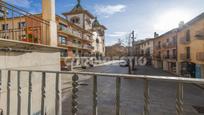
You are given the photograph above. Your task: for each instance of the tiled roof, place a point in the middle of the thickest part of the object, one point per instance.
(79, 9)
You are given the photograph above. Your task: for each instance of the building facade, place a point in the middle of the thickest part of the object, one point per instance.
(181, 50)
(165, 51)
(78, 31)
(191, 48)
(145, 48)
(92, 30)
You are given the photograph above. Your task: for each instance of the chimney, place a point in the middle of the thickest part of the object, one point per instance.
(181, 24)
(155, 34)
(48, 13)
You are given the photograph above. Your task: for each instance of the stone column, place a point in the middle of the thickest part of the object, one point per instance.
(48, 13)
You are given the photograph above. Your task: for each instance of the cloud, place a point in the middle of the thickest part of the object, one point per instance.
(117, 34)
(108, 10)
(20, 3)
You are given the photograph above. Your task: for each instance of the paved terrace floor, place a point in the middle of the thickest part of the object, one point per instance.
(162, 94)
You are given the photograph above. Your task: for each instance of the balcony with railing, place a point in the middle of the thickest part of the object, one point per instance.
(158, 47)
(88, 47)
(173, 57)
(164, 45)
(200, 56)
(170, 57)
(70, 31)
(184, 41)
(158, 57)
(87, 37)
(171, 44)
(74, 78)
(185, 57)
(19, 25)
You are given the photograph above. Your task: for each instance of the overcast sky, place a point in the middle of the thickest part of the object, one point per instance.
(123, 16)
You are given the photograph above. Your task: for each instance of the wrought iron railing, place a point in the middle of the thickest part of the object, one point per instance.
(185, 57)
(17, 24)
(184, 40)
(75, 79)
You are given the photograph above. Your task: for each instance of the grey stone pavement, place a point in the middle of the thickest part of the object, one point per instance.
(162, 94)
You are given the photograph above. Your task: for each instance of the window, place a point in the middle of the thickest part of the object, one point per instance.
(21, 25)
(159, 44)
(167, 54)
(62, 26)
(188, 35)
(62, 40)
(75, 20)
(159, 54)
(74, 41)
(174, 53)
(79, 42)
(64, 53)
(174, 40)
(88, 21)
(5, 27)
(97, 40)
(74, 51)
(188, 52)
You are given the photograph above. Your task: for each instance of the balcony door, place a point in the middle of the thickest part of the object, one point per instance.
(188, 52)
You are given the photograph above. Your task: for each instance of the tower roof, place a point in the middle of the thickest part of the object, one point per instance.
(78, 9)
(96, 23)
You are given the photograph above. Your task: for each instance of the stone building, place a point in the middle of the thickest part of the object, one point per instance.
(191, 48)
(165, 51)
(180, 50)
(89, 24)
(144, 48)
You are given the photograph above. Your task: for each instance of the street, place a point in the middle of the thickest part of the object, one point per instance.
(162, 94)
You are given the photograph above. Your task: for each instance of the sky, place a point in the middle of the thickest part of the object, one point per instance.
(122, 16)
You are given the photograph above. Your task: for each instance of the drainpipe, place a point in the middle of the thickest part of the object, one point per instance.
(48, 13)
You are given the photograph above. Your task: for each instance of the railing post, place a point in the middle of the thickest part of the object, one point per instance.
(146, 97)
(30, 85)
(118, 86)
(43, 91)
(58, 108)
(95, 96)
(179, 99)
(75, 89)
(8, 92)
(19, 93)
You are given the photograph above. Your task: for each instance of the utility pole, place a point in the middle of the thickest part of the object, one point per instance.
(131, 41)
(133, 48)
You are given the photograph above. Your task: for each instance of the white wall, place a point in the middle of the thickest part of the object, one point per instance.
(29, 61)
(77, 15)
(146, 46)
(100, 46)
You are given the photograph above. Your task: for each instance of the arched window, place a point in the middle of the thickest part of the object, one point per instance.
(97, 40)
(75, 20)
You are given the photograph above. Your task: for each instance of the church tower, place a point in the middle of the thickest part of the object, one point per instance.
(79, 16)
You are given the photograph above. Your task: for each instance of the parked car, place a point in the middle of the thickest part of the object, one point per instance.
(124, 63)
